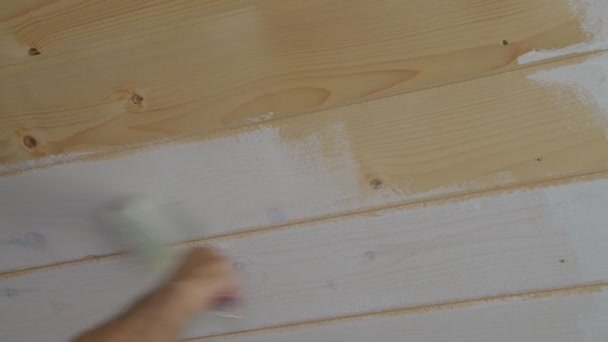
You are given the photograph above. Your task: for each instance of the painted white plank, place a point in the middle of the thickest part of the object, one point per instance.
(255, 178)
(507, 243)
(573, 318)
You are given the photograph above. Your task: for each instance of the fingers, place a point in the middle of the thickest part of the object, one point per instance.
(205, 262)
(206, 275)
(202, 253)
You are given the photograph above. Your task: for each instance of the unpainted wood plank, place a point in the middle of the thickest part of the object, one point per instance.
(111, 73)
(504, 130)
(510, 243)
(572, 318)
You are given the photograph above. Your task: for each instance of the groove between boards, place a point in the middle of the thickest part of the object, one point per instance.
(522, 296)
(459, 196)
(115, 151)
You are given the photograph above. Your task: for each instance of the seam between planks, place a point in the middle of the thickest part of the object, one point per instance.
(455, 197)
(451, 305)
(114, 151)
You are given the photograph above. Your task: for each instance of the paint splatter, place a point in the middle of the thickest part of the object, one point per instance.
(262, 118)
(593, 15)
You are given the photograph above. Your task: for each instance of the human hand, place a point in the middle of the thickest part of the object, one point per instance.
(203, 279)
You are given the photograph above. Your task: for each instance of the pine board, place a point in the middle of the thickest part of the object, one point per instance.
(111, 73)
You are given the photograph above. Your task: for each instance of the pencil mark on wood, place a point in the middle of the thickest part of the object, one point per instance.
(10, 292)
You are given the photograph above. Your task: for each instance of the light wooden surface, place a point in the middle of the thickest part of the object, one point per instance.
(572, 318)
(381, 170)
(387, 260)
(121, 72)
(503, 130)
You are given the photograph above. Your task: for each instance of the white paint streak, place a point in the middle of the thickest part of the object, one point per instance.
(587, 80)
(593, 16)
(79, 155)
(44, 161)
(262, 118)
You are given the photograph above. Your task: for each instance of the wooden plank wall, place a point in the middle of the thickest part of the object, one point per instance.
(419, 170)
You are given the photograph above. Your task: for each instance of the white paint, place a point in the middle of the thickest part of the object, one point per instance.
(588, 80)
(255, 178)
(45, 224)
(593, 324)
(44, 161)
(559, 318)
(580, 207)
(593, 21)
(262, 118)
(508, 243)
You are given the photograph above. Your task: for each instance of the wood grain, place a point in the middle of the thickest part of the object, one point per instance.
(573, 318)
(489, 246)
(499, 131)
(114, 72)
